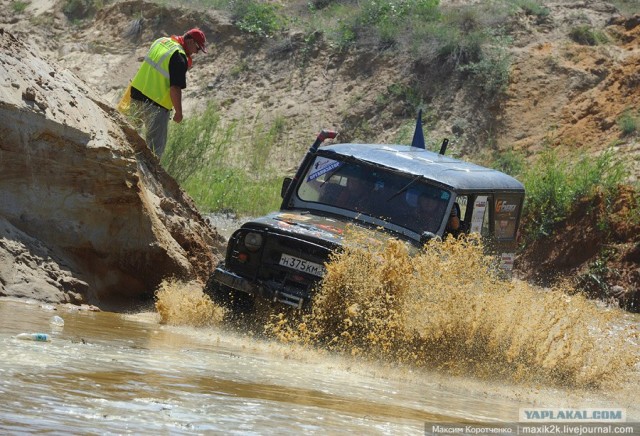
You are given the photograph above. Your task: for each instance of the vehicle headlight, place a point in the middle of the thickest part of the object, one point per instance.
(253, 241)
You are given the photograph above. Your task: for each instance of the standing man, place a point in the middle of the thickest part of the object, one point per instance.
(158, 84)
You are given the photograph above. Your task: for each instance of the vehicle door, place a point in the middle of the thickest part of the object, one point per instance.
(496, 217)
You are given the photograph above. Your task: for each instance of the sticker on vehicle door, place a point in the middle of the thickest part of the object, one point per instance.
(477, 218)
(506, 216)
(506, 261)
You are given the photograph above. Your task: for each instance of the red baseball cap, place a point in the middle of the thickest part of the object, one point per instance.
(198, 36)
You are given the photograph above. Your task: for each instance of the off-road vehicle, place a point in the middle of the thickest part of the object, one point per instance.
(404, 191)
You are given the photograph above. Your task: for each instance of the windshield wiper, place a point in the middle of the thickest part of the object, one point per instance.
(331, 174)
(404, 188)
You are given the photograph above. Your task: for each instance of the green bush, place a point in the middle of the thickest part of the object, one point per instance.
(224, 188)
(373, 22)
(316, 5)
(390, 17)
(532, 7)
(208, 161)
(595, 281)
(335, 22)
(628, 122)
(492, 69)
(455, 47)
(553, 185)
(465, 39)
(405, 93)
(586, 35)
(509, 162)
(256, 18)
(19, 6)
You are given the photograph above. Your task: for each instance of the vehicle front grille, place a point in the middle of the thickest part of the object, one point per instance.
(276, 245)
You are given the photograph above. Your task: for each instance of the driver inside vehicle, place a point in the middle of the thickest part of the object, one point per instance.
(357, 195)
(454, 225)
(428, 212)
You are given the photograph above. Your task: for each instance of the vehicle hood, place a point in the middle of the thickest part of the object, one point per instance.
(313, 227)
(302, 224)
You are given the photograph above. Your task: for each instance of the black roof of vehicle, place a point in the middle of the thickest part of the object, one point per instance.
(443, 169)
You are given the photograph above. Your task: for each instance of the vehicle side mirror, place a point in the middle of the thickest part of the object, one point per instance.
(285, 186)
(426, 237)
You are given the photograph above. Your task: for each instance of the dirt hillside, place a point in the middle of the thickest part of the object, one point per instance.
(87, 214)
(561, 93)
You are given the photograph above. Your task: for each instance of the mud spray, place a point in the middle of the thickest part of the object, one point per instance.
(447, 309)
(180, 303)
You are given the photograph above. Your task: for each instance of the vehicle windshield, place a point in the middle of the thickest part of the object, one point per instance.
(402, 199)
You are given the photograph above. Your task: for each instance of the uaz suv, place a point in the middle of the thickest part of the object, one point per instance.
(406, 191)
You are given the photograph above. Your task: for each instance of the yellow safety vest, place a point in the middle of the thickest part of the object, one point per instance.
(152, 79)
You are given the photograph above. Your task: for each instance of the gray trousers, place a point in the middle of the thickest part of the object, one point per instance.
(156, 122)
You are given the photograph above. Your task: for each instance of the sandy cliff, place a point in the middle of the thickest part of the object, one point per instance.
(87, 215)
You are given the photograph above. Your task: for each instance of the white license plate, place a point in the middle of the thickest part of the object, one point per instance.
(302, 265)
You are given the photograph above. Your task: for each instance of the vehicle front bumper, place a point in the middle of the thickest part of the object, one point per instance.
(234, 281)
(268, 290)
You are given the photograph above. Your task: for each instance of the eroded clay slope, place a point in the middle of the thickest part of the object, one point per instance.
(86, 212)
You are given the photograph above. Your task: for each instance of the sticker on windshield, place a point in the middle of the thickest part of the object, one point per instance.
(321, 166)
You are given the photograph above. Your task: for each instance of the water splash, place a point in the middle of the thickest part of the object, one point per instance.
(180, 303)
(448, 309)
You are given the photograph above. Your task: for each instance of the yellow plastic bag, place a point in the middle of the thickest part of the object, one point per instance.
(125, 101)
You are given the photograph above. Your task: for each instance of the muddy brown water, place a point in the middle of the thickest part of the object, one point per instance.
(107, 373)
(396, 343)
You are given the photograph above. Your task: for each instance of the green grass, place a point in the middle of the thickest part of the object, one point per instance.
(195, 141)
(509, 162)
(263, 140)
(468, 40)
(553, 185)
(532, 7)
(586, 35)
(629, 122)
(19, 6)
(221, 167)
(257, 18)
(225, 188)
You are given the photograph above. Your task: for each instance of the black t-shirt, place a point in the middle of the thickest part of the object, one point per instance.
(177, 76)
